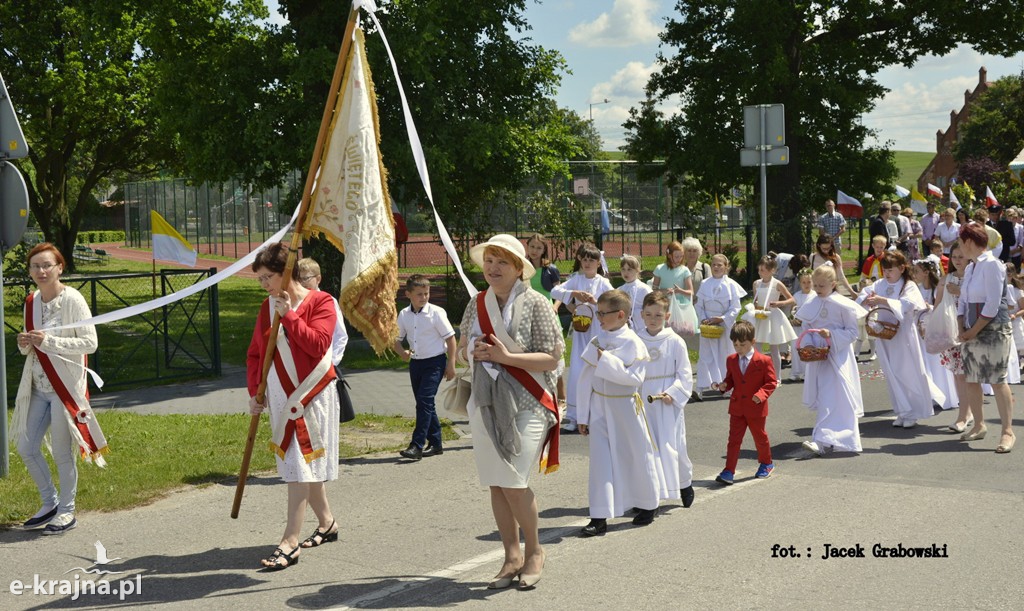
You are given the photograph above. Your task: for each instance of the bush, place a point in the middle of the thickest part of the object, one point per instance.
(99, 237)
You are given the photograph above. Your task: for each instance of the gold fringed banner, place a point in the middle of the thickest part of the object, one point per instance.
(352, 209)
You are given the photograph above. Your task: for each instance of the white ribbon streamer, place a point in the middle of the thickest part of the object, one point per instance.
(417, 149)
(153, 304)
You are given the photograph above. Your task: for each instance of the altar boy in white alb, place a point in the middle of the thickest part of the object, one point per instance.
(623, 469)
(667, 387)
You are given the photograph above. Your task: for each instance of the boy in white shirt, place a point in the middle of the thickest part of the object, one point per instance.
(623, 470)
(309, 277)
(431, 354)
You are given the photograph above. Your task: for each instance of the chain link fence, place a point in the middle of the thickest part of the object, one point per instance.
(180, 340)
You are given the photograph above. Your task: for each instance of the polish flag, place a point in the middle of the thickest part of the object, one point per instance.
(848, 206)
(990, 199)
(933, 190)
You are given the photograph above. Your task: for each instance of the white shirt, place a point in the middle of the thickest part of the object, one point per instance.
(947, 234)
(426, 330)
(340, 339)
(744, 361)
(984, 282)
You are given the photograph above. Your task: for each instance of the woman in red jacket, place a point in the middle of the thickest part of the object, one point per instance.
(302, 398)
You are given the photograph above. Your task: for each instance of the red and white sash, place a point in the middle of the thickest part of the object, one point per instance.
(290, 422)
(487, 310)
(84, 427)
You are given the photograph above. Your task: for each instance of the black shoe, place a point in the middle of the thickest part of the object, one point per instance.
(597, 526)
(645, 517)
(413, 452)
(697, 396)
(46, 517)
(432, 450)
(687, 495)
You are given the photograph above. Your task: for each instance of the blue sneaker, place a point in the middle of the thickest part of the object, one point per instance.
(764, 470)
(725, 477)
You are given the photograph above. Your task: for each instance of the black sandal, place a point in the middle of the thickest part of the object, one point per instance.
(320, 537)
(275, 559)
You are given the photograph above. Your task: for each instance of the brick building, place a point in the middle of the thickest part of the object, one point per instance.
(943, 166)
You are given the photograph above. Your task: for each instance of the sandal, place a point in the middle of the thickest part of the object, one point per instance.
(274, 561)
(320, 537)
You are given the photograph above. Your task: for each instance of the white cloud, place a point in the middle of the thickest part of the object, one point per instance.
(624, 90)
(630, 22)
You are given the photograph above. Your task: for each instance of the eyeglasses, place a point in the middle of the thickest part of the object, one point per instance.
(265, 277)
(306, 278)
(45, 267)
(603, 314)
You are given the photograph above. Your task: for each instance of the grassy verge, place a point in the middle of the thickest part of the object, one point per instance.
(153, 455)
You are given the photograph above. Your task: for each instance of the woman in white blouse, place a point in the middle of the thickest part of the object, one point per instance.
(985, 333)
(948, 230)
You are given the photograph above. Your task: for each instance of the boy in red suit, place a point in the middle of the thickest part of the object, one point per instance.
(751, 376)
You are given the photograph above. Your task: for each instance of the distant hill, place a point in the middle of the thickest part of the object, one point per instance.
(909, 164)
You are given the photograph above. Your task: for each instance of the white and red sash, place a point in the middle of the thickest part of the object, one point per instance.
(487, 310)
(290, 422)
(84, 427)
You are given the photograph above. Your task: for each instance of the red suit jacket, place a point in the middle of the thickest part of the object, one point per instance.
(309, 330)
(759, 381)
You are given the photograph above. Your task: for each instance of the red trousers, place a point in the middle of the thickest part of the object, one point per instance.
(738, 426)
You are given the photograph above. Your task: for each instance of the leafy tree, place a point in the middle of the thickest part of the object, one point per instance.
(980, 172)
(819, 60)
(995, 129)
(83, 76)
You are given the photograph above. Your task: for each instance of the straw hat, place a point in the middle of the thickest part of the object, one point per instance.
(505, 242)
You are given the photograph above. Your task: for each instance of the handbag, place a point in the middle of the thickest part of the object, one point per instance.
(347, 412)
(453, 395)
(940, 328)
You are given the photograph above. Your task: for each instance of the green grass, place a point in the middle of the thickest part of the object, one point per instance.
(151, 456)
(909, 165)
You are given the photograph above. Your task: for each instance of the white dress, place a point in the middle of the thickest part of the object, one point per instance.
(797, 369)
(832, 387)
(911, 391)
(595, 286)
(668, 372)
(1010, 296)
(293, 467)
(637, 291)
(623, 464)
(717, 297)
(775, 329)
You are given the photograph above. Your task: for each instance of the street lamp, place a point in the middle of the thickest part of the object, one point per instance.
(592, 105)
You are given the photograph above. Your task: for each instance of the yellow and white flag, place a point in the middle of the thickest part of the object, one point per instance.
(350, 206)
(168, 245)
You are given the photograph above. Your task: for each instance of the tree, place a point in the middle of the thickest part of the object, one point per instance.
(83, 75)
(819, 60)
(980, 172)
(995, 128)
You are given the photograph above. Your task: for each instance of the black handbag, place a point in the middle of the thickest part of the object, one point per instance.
(348, 413)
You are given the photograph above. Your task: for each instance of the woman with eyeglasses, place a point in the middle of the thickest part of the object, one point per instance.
(301, 395)
(53, 391)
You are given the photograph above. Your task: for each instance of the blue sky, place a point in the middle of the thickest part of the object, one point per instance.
(610, 47)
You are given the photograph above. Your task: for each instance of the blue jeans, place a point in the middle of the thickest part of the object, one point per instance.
(425, 375)
(47, 411)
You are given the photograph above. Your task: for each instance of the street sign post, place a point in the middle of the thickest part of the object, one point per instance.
(14, 215)
(764, 144)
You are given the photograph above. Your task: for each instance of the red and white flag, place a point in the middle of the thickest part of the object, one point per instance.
(933, 190)
(848, 206)
(990, 199)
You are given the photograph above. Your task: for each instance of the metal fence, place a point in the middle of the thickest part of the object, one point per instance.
(176, 341)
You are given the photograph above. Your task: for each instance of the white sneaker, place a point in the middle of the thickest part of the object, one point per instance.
(810, 446)
(898, 422)
(64, 522)
(570, 427)
(873, 357)
(909, 424)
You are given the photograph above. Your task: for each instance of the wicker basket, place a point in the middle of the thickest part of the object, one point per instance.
(712, 331)
(885, 329)
(796, 322)
(584, 318)
(809, 354)
(761, 314)
(922, 321)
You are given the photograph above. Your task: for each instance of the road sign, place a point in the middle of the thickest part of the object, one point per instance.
(13, 205)
(774, 125)
(778, 155)
(12, 140)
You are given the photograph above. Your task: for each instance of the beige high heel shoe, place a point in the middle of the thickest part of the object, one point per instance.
(974, 436)
(528, 582)
(1004, 448)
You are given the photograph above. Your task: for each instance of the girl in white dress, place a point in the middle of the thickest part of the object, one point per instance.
(579, 294)
(718, 303)
(629, 269)
(911, 391)
(771, 326)
(833, 387)
(1010, 299)
(926, 274)
(797, 367)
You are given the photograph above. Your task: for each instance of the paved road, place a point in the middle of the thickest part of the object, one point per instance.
(420, 535)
